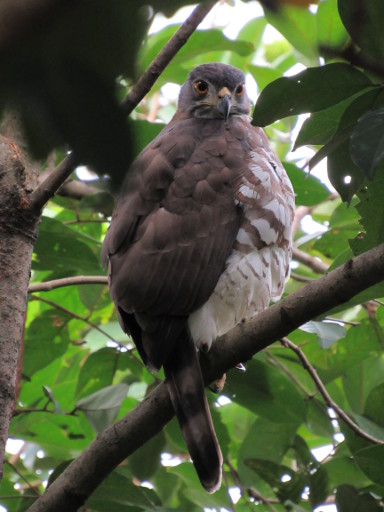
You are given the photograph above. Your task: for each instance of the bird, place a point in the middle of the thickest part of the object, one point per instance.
(200, 239)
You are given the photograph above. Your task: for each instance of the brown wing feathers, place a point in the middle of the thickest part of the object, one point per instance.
(172, 232)
(169, 239)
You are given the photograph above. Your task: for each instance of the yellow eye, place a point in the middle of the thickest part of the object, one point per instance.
(240, 90)
(201, 87)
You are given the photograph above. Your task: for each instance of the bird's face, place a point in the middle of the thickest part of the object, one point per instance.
(215, 91)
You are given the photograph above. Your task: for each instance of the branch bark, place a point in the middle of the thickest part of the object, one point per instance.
(49, 187)
(47, 286)
(71, 489)
(18, 232)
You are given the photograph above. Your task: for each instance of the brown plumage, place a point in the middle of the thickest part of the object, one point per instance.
(199, 240)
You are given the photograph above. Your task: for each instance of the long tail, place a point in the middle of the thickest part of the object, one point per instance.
(186, 389)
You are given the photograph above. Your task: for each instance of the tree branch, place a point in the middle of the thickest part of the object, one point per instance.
(324, 393)
(53, 182)
(71, 489)
(47, 286)
(306, 259)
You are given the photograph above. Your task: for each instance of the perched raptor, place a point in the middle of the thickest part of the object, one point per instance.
(199, 240)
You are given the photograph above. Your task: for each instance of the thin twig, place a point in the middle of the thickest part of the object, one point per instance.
(169, 50)
(47, 286)
(76, 316)
(313, 263)
(324, 393)
(30, 486)
(53, 182)
(285, 370)
(345, 322)
(301, 279)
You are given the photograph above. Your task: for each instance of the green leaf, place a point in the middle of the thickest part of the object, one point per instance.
(321, 126)
(374, 405)
(367, 142)
(318, 486)
(342, 469)
(363, 22)
(46, 340)
(308, 189)
(91, 378)
(327, 332)
(102, 407)
(298, 26)
(371, 209)
(343, 226)
(308, 91)
(62, 249)
(318, 420)
(344, 175)
(265, 440)
(273, 473)
(201, 42)
(348, 499)
(118, 493)
(252, 32)
(370, 461)
(263, 75)
(267, 392)
(145, 461)
(361, 378)
(331, 32)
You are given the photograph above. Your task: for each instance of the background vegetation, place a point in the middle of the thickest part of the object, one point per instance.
(322, 387)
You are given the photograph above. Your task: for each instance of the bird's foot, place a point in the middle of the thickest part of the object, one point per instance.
(218, 385)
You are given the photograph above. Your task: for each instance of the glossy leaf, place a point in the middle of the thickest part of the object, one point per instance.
(348, 499)
(102, 407)
(370, 461)
(109, 495)
(62, 249)
(48, 340)
(363, 22)
(267, 392)
(293, 95)
(308, 189)
(367, 142)
(371, 210)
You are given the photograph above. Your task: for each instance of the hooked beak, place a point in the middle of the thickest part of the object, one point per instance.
(224, 103)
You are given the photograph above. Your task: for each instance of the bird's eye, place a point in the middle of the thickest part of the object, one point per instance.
(240, 90)
(201, 87)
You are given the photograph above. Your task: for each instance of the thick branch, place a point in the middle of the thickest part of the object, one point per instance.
(80, 479)
(18, 232)
(49, 187)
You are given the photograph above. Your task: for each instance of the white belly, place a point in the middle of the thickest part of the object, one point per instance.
(247, 286)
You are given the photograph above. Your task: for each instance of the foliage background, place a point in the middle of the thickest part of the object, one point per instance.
(80, 372)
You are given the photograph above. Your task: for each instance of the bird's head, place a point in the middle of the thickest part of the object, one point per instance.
(214, 91)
